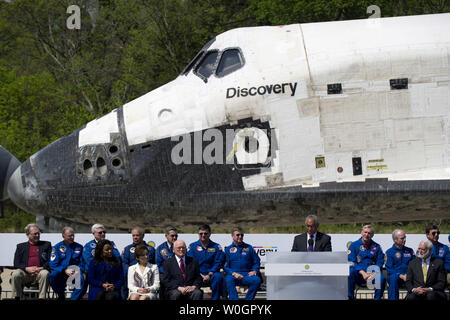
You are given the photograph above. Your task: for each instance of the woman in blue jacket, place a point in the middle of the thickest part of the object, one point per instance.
(105, 273)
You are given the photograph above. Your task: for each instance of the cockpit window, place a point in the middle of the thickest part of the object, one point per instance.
(197, 57)
(192, 63)
(230, 61)
(206, 66)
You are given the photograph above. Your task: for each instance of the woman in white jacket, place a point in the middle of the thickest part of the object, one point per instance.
(143, 277)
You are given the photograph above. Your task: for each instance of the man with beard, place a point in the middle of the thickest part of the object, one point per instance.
(425, 279)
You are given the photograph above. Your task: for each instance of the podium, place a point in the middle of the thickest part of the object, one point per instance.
(307, 275)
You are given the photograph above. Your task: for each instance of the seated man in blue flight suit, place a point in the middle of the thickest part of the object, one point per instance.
(365, 256)
(210, 258)
(440, 250)
(99, 232)
(242, 265)
(398, 258)
(128, 258)
(65, 265)
(165, 250)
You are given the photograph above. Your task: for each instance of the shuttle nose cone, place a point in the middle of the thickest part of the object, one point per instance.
(8, 163)
(16, 190)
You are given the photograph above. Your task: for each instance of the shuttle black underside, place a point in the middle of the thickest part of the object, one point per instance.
(148, 189)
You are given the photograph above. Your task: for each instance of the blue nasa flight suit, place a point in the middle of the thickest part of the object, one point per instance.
(128, 259)
(163, 252)
(210, 259)
(441, 251)
(241, 259)
(361, 258)
(62, 257)
(397, 264)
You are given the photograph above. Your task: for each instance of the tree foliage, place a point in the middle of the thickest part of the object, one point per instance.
(276, 12)
(34, 111)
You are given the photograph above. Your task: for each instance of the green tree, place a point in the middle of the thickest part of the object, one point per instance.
(274, 12)
(34, 111)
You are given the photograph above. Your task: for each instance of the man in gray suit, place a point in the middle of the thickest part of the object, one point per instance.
(425, 279)
(312, 240)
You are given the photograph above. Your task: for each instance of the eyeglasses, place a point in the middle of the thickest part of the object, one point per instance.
(203, 233)
(436, 233)
(239, 234)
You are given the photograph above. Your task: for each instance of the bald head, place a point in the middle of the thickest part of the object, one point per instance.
(179, 248)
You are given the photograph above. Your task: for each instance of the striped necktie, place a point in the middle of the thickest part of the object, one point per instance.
(183, 273)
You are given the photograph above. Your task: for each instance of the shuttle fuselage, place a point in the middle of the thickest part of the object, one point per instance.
(348, 120)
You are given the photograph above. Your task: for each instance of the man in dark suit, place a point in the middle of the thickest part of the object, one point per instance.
(312, 240)
(181, 277)
(425, 279)
(31, 261)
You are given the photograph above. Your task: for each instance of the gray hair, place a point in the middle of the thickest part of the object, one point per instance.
(140, 230)
(314, 217)
(170, 228)
(29, 226)
(67, 228)
(97, 226)
(394, 234)
(368, 226)
(428, 243)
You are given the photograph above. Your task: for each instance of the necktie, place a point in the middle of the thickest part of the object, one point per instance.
(182, 269)
(424, 270)
(310, 244)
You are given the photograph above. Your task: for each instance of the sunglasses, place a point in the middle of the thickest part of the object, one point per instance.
(239, 234)
(436, 233)
(101, 232)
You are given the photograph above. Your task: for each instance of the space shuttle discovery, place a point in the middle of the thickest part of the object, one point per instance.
(348, 120)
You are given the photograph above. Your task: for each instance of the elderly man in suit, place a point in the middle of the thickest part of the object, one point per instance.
(181, 277)
(31, 261)
(425, 279)
(312, 240)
